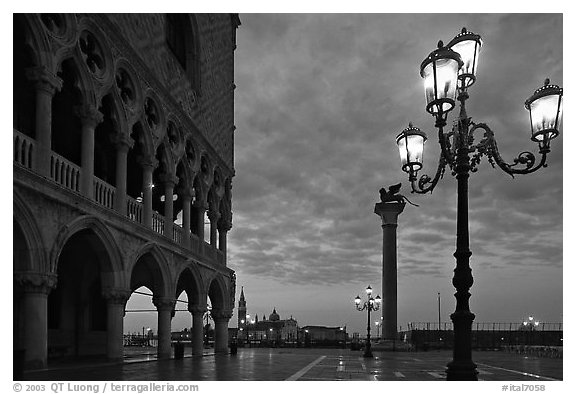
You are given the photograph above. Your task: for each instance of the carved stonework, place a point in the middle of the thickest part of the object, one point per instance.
(44, 79)
(221, 315)
(89, 115)
(116, 296)
(33, 282)
(162, 303)
(197, 309)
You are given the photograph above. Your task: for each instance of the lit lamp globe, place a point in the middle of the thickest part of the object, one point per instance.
(378, 300)
(545, 107)
(411, 148)
(369, 290)
(357, 300)
(440, 73)
(467, 45)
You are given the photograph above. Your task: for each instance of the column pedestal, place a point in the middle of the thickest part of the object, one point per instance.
(389, 212)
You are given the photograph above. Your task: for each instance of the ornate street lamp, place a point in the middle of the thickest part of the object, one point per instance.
(448, 72)
(372, 304)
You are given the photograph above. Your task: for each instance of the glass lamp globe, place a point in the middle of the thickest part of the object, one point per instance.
(468, 45)
(411, 148)
(545, 108)
(440, 73)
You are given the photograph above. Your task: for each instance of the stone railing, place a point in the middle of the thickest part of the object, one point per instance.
(64, 172)
(24, 147)
(157, 222)
(134, 209)
(177, 234)
(104, 193)
(194, 243)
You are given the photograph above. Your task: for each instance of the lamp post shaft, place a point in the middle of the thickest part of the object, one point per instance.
(368, 351)
(462, 367)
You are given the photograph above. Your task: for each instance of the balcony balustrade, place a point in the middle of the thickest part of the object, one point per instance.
(63, 172)
(104, 193)
(24, 148)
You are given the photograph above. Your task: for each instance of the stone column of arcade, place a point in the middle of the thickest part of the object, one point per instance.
(197, 329)
(201, 210)
(186, 196)
(221, 319)
(36, 287)
(388, 212)
(123, 144)
(90, 118)
(223, 228)
(116, 303)
(213, 216)
(148, 165)
(164, 307)
(169, 182)
(46, 85)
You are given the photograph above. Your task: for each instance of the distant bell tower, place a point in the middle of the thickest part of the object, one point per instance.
(242, 309)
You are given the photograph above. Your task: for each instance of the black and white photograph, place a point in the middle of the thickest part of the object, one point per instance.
(323, 194)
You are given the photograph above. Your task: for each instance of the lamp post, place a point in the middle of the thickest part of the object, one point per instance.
(377, 324)
(371, 304)
(448, 72)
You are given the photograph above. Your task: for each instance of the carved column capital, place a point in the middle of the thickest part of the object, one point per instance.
(115, 295)
(213, 215)
(197, 309)
(89, 115)
(221, 315)
(44, 79)
(169, 179)
(35, 282)
(162, 303)
(147, 161)
(122, 141)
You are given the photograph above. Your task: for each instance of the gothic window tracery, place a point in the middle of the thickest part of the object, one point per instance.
(93, 54)
(125, 87)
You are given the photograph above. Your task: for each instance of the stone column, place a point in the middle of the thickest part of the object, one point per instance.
(123, 144)
(169, 182)
(90, 118)
(164, 307)
(35, 287)
(185, 195)
(197, 329)
(46, 85)
(213, 215)
(200, 211)
(223, 228)
(116, 303)
(221, 319)
(389, 212)
(148, 165)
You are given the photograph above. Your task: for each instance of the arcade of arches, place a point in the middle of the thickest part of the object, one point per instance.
(113, 184)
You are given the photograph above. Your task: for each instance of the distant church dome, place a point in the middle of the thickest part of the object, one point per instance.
(274, 316)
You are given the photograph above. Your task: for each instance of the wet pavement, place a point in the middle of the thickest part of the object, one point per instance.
(304, 365)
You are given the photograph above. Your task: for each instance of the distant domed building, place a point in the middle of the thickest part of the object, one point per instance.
(267, 332)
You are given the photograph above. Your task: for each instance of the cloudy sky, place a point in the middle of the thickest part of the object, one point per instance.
(320, 99)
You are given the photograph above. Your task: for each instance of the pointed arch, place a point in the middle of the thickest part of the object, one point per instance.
(190, 280)
(103, 234)
(154, 260)
(217, 290)
(35, 39)
(34, 242)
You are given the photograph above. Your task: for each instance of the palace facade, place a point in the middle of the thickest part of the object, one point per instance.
(123, 147)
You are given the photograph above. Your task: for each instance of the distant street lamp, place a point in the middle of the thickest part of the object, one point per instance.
(377, 324)
(531, 324)
(448, 72)
(372, 304)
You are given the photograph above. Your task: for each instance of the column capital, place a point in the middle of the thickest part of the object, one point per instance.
(224, 224)
(163, 303)
(213, 215)
(44, 79)
(197, 309)
(201, 205)
(122, 141)
(147, 161)
(185, 192)
(222, 315)
(169, 179)
(115, 295)
(389, 211)
(89, 115)
(35, 282)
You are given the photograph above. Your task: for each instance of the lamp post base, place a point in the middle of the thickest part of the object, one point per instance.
(368, 350)
(461, 370)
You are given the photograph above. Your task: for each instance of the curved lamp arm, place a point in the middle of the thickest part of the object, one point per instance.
(488, 146)
(426, 184)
